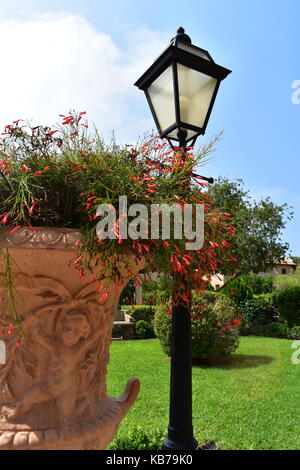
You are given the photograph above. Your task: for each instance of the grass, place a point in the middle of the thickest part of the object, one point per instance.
(250, 402)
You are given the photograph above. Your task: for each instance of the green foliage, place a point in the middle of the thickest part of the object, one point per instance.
(153, 298)
(294, 333)
(257, 244)
(296, 259)
(277, 329)
(155, 292)
(259, 284)
(287, 280)
(288, 303)
(139, 439)
(262, 318)
(238, 291)
(140, 312)
(256, 312)
(209, 288)
(144, 330)
(163, 328)
(215, 327)
(127, 294)
(59, 177)
(143, 316)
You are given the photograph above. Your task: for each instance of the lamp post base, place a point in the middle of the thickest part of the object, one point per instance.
(169, 444)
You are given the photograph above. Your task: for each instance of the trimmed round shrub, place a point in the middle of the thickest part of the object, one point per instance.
(215, 327)
(238, 291)
(143, 330)
(163, 328)
(288, 303)
(256, 312)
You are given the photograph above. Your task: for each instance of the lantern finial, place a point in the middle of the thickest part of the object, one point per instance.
(181, 36)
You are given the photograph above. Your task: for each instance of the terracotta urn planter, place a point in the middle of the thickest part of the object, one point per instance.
(53, 389)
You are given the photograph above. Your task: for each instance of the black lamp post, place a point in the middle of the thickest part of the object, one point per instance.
(181, 87)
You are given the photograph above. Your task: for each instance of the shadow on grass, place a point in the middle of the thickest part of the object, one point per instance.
(237, 361)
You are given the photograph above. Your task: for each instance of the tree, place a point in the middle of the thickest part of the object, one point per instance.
(296, 259)
(257, 244)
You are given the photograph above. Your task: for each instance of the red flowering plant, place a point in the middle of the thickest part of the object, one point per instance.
(58, 178)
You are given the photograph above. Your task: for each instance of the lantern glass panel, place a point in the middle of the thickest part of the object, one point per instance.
(195, 94)
(161, 94)
(193, 50)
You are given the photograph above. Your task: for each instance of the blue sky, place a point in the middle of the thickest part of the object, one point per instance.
(63, 54)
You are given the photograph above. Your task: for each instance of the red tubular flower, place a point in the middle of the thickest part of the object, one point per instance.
(104, 297)
(42, 171)
(25, 169)
(5, 218)
(15, 229)
(137, 282)
(186, 261)
(32, 207)
(146, 247)
(183, 297)
(77, 261)
(100, 288)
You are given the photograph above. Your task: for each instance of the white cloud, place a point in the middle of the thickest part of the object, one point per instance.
(58, 62)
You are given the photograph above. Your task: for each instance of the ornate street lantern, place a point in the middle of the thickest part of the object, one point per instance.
(181, 87)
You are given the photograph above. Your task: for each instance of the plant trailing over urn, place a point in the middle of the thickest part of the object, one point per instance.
(58, 177)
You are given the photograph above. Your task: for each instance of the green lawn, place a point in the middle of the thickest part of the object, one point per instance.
(252, 402)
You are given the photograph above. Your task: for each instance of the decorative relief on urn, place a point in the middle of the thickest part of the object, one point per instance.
(53, 387)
